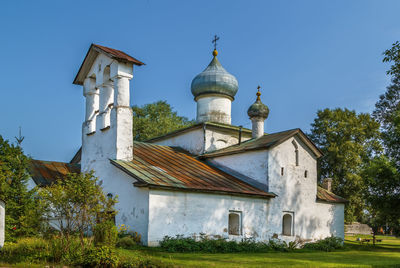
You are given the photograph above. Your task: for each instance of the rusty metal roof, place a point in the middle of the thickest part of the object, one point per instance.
(91, 55)
(46, 172)
(118, 54)
(158, 166)
(265, 142)
(326, 196)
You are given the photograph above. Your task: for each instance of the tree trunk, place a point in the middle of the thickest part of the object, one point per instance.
(373, 237)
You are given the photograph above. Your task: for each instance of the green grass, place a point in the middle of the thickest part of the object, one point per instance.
(384, 254)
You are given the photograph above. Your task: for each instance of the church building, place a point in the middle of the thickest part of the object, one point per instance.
(212, 178)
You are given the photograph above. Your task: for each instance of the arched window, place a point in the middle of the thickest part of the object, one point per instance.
(287, 224)
(296, 152)
(235, 223)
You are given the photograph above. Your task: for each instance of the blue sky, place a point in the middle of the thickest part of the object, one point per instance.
(306, 55)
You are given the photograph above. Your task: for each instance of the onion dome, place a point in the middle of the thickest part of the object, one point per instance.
(214, 80)
(258, 109)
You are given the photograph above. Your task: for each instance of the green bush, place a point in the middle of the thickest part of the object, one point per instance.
(105, 234)
(31, 250)
(39, 250)
(126, 242)
(218, 245)
(103, 256)
(327, 244)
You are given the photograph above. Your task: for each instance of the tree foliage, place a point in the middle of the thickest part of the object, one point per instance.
(348, 141)
(392, 55)
(22, 217)
(76, 204)
(156, 119)
(383, 193)
(387, 112)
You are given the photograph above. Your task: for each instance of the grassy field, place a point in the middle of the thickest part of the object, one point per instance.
(384, 254)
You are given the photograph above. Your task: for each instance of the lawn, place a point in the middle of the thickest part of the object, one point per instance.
(384, 254)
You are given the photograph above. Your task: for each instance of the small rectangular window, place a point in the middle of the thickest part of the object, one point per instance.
(235, 222)
(281, 171)
(305, 174)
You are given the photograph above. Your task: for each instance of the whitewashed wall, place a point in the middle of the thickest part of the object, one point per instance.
(194, 141)
(133, 202)
(2, 223)
(330, 220)
(253, 164)
(295, 193)
(216, 140)
(214, 109)
(174, 213)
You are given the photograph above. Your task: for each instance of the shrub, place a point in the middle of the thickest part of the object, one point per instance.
(179, 244)
(277, 244)
(218, 245)
(105, 233)
(327, 244)
(103, 256)
(39, 250)
(126, 242)
(26, 250)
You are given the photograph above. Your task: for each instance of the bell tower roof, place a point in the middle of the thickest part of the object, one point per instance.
(91, 55)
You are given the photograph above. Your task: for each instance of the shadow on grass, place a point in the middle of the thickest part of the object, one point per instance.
(354, 254)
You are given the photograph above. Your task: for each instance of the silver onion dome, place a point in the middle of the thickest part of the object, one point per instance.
(214, 80)
(258, 109)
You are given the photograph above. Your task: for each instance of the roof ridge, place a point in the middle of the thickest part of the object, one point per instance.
(221, 125)
(247, 142)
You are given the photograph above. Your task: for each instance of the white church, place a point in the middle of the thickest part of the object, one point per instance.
(211, 178)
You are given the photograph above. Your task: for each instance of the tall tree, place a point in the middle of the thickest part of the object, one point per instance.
(22, 217)
(387, 112)
(383, 194)
(392, 55)
(348, 141)
(155, 119)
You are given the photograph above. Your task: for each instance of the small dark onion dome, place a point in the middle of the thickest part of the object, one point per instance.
(258, 109)
(214, 80)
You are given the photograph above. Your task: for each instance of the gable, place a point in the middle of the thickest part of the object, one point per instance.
(92, 54)
(265, 142)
